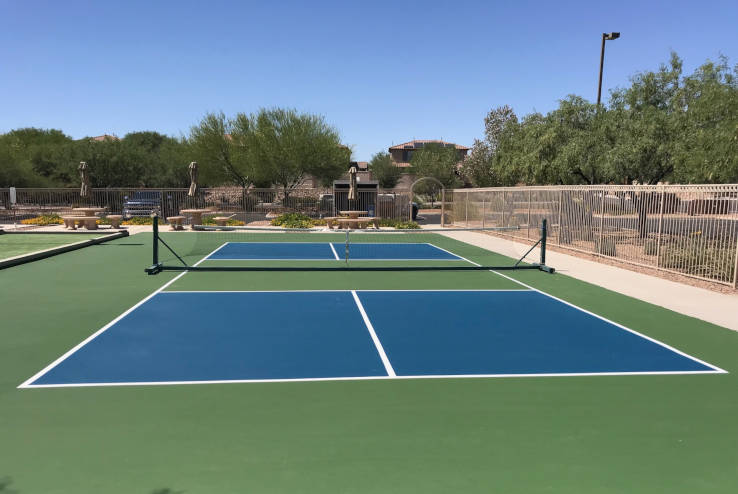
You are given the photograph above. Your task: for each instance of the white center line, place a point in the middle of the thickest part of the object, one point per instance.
(334, 251)
(375, 338)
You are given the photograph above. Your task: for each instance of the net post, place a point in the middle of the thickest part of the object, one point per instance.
(155, 267)
(544, 233)
(347, 247)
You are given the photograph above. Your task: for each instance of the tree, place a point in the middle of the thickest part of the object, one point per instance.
(479, 166)
(384, 170)
(283, 146)
(221, 159)
(437, 161)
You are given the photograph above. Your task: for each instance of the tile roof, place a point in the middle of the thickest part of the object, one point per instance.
(412, 144)
(105, 136)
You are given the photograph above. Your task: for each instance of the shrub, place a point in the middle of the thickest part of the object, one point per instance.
(398, 224)
(139, 220)
(699, 259)
(650, 248)
(43, 220)
(606, 246)
(293, 220)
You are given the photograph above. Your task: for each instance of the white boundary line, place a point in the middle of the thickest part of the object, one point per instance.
(335, 254)
(367, 378)
(652, 340)
(332, 260)
(27, 382)
(375, 338)
(517, 290)
(716, 369)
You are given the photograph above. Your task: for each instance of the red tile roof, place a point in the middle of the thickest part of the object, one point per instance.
(412, 144)
(105, 136)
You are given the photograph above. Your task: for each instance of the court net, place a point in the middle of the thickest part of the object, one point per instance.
(223, 248)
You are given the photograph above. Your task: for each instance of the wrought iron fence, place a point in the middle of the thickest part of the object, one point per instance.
(248, 205)
(686, 229)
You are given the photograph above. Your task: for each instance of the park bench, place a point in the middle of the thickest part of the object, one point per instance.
(89, 222)
(331, 221)
(115, 220)
(360, 222)
(175, 222)
(222, 220)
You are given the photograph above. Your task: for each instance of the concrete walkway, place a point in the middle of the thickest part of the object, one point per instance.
(717, 308)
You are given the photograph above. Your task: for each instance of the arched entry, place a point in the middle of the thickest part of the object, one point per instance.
(443, 196)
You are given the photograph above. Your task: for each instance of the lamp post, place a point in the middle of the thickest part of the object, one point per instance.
(605, 37)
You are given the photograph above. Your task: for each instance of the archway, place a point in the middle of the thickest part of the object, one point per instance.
(443, 196)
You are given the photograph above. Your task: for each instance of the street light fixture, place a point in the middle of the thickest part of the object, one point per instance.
(605, 37)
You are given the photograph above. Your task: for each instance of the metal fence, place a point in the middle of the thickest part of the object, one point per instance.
(248, 205)
(691, 230)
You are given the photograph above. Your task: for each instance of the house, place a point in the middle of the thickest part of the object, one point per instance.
(402, 154)
(105, 137)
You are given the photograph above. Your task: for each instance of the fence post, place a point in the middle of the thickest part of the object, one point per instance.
(602, 221)
(735, 266)
(504, 204)
(661, 221)
(443, 207)
(466, 209)
(527, 229)
(484, 208)
(558, 237)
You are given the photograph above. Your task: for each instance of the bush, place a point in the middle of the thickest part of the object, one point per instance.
(293, 220)
(606, 247)
(699, 259)
(398, 224)
(650, 248)
(139, 220)
(44, 220)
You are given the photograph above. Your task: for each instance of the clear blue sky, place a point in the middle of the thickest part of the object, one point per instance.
(381, 72)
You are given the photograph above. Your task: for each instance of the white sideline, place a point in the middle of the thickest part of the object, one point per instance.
(713, 307)
(27, 382)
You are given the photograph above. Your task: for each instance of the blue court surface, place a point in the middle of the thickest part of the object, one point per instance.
(191, 337)
(325, 251)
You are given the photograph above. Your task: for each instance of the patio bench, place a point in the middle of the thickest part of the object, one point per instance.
(115, 220)
(89, 222)
(175, 222)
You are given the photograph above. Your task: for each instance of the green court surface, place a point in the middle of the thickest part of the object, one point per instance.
(18, 244)
(595, 434)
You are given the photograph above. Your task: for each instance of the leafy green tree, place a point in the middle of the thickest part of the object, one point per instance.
(283, 147)
(384, 170)
(479, 166)
(222, 159)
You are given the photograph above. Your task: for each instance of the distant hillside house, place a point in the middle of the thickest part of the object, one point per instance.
(402, 154)
(105, 137)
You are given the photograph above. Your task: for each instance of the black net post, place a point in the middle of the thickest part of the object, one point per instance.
(156, 266)
(543, 241)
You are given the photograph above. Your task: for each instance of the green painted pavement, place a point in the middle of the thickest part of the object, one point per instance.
(17, 244)
(635, 434)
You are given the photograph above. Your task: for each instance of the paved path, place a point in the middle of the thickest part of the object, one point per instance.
(717, 308)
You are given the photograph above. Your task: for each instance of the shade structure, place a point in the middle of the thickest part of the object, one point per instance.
(193, 179)
(84, 190)
(352, 194)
